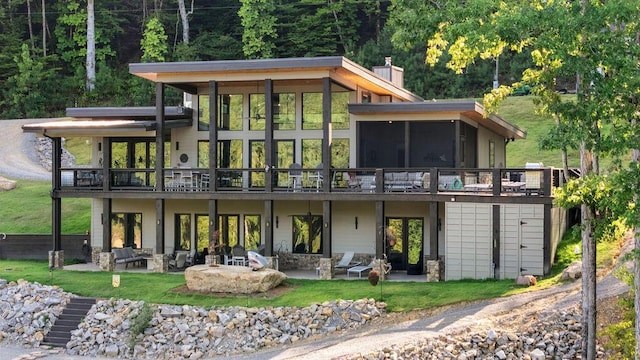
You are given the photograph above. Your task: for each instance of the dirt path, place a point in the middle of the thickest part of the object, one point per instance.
(18, 159)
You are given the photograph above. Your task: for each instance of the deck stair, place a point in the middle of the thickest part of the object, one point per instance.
(71, 316)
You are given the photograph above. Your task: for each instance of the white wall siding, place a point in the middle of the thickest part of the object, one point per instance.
(468, 251)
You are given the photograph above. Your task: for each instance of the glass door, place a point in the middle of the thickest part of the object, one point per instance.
(404, 240)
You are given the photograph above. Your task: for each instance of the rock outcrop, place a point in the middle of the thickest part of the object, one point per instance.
(231, 279)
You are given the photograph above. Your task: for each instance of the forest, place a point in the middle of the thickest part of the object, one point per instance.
(44, 67)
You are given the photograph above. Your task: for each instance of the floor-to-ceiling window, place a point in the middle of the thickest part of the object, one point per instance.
(126, 230)
(307, 234)
(404, 240)
(182, 232)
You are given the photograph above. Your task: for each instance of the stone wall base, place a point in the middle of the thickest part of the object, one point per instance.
(273, 262)
(380, 265)
(326, 268)
(107, 261)
(160, 263)
(56, 259)
(433, 270)
(212, 259)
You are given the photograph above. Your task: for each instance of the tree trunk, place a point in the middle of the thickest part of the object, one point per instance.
(565, 159)
(588, 267)
(30, 25)
(44, 30)
(185, 22)
(91, 48)
(635, 157)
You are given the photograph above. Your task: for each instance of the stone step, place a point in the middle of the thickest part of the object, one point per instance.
(68, 321)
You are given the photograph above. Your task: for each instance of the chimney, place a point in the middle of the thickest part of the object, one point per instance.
(391, 73)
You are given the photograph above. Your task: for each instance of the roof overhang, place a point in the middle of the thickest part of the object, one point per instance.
(340, 69)
(124, 122)
(469, 109)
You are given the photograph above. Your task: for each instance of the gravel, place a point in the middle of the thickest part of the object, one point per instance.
(18, 157)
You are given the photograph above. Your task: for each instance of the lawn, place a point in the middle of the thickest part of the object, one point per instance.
(161, 288)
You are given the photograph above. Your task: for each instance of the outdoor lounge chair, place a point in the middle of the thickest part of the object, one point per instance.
(359, 269)
(179, 262)
(344, 263)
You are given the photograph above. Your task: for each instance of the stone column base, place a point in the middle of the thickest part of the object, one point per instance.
(212, 259)
(433, 271)
(326, 268)
(107, 261)
(273, 263)
(160, 263)
(56, 259)
(380, 265)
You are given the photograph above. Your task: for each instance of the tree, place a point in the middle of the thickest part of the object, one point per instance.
(91, 48)
(259, 25)
(595, 40)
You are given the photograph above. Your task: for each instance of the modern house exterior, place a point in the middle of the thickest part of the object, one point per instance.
(313, 157)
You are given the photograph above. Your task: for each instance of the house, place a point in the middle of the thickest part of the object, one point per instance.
(313, 157)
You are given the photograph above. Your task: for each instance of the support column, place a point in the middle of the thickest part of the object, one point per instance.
(159, 248)
(56, 201)
(213, 226)
(213, 136)
(268, 231)
(326, 229)
(56, 259)
(106, 163)
(496, 241)
(107, 261)
(326, 268)
(159, 136)
(434, 228)
(380, 230)
(326, 134)
(268, 135)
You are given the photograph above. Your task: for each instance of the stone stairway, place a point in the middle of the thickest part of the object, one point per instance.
(68, 321)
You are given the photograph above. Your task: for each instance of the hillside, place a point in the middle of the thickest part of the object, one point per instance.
(520, 111)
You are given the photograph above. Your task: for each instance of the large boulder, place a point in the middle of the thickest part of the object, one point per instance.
(232, 279)
(6, 184)
(572, 272)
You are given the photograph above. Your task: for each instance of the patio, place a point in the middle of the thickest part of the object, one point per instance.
(400, 276)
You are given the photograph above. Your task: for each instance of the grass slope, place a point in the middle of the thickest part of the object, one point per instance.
(520, 111)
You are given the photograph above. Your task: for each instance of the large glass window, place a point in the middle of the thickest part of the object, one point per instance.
(229, 231)
(230, 154)
(126, 230)
(340, 110)
(307, 234)
(183, 232)
(312, 111)
(256, 111)
(202, 233)
(252, 232)
(257, 161)
(229, 112)
(311, 153)
(284, 111)
(203, 154)
(340, 153)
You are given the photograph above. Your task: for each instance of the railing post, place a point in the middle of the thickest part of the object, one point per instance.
(433, 180)
(546, 182)
(496, 182)
(379, 181)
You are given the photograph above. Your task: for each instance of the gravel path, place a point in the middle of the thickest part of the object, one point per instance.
(18, 160)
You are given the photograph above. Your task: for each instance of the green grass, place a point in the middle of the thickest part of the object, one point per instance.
(520, 111)
(80, 147)
(159, 288)
(27, 210)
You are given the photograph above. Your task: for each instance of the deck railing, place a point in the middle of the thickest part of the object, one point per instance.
(492, 182)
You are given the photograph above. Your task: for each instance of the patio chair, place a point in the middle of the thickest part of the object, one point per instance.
(295, 177)
(344, 263)
(179, 262)
(359, 269)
